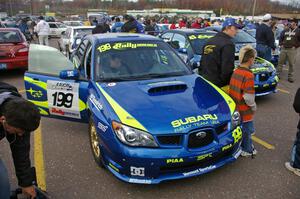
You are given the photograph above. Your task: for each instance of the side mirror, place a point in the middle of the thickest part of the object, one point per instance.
(182, 50)
(69, 74)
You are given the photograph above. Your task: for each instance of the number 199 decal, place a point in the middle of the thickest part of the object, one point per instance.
(63, 98)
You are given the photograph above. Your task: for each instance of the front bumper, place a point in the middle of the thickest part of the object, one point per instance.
(265, 87)
(152, 166)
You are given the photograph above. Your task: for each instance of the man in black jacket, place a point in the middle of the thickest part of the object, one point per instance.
(217, 62)
(18, 118)
(265, 38)
(294, 164)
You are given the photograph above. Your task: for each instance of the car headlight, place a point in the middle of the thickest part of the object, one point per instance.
(133, 137)
(235, 120)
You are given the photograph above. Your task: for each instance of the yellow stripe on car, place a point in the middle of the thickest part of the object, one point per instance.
(226, 97)
(40, 84)
(123, 115)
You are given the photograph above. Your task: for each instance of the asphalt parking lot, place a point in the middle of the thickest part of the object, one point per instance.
(61, 151)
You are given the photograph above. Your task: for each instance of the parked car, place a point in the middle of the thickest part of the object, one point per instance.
(72, 38)
(150, 118)
(13, 49)
(73, 23)
(56, 29)
(189, 44)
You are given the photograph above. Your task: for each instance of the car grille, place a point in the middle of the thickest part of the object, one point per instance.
(264, 76)
(187, 166)
(170, 140)
(196, 140)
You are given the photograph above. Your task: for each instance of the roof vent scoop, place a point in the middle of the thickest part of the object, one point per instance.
(166, 87)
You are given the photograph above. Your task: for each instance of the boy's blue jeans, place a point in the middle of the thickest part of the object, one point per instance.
(295, 159)
(4, 182)
(248, 129)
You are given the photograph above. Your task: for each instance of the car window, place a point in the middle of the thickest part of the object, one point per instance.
(83, 31)
(52, 25)
(178, 41)
(60, 25)
(134, 60)
(199, 40)
(10, 37)
(41, 60)
(81, 48)
(243, 37)
(167, 36)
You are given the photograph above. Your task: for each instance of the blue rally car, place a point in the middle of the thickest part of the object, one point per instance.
(150, 118)
(189, 44)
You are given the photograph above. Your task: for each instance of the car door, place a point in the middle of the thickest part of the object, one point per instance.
(53, 29)
(49, 85)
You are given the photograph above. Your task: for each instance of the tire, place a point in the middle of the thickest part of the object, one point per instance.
(94, 143)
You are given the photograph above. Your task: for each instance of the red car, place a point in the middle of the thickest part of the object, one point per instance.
(13, 49)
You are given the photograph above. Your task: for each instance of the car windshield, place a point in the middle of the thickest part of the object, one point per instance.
(243, 37)
(128, 61)
(10, 37)
(199, 40)
(83, 31)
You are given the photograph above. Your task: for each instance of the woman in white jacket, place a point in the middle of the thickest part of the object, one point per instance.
(43, 31)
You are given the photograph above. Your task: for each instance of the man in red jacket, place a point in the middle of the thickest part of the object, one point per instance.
(294, 164)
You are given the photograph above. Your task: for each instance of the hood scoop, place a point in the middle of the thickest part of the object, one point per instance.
(166, 87)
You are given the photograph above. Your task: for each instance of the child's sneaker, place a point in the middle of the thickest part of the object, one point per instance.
(247, 154)
(292, 169)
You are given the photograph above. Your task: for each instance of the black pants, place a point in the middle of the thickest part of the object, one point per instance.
(296, 151)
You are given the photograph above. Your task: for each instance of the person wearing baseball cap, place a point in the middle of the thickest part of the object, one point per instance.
(217, 62)
(289, 42)
(265, 38)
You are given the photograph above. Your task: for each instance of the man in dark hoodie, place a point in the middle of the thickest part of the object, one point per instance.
(217, 62)
(294, 164)
(18, 117)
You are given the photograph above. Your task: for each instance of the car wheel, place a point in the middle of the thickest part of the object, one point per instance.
(94, 142)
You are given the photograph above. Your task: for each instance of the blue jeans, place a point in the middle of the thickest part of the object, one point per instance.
(4, 182)
(264, 52)
(248, 129)
(295, 159)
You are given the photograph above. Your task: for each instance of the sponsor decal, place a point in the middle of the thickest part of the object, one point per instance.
(102, 127)
(96, 103)
(137, 171)
(140, 181)
(111, 84)
(113, 167)
(65, 97)
(124, 45)
(34, 93)
(203, 157)
(237, 134)
(193, 119)
(193, 37)
(200, 170)
(174, 160)
(224, 148)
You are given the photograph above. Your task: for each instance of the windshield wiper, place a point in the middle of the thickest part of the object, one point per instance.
(156, 75)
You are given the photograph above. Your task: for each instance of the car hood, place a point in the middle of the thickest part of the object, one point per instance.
(167, 105)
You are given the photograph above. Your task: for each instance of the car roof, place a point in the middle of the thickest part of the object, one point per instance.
(215, 28)
(113, 37)
(191, 31)
(81, 27)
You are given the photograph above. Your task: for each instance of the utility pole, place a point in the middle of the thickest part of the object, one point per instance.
(253, 9)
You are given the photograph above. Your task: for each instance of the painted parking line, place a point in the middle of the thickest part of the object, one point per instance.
(263, 143)
(283, 91)
(39, 159)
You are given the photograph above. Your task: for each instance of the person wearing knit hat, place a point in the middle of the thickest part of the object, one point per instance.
(241, 89)
(265, 38)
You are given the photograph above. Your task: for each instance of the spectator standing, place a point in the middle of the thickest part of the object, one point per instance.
(241, 89)
(197, 23)
(149, 29)
(43, 31)
(117, 25)
(294, 164)
(102, 26)
(265, 38)
(132, 25)
(289, 42)
(217, 62)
